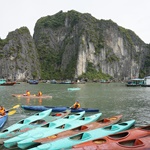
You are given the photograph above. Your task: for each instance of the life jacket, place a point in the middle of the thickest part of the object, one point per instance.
(40, 94)
(2, 111)
(76, 105)
(28, 93)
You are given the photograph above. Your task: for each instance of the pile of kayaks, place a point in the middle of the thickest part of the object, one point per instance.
(78, 131)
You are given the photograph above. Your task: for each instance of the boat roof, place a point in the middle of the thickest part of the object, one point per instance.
(137, 79)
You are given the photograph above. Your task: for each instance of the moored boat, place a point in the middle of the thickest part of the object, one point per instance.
(70, 141)
(86, 127)
(3, 82)
(135, 82)
(58, 108)
(108, 141)
(41, 131)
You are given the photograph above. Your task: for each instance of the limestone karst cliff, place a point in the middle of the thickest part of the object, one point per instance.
(68, 42)
(19, 57)
(71, 45)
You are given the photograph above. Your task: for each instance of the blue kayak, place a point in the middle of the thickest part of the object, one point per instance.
(3, 120)
(58, 108)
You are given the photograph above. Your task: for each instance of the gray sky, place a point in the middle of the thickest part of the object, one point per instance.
(130, 14)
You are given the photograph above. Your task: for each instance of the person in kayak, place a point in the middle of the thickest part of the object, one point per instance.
(2, 111)
(27, 93)
(39, 93)
(76, 105)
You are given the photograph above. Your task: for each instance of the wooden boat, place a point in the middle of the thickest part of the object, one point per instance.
(31, 96)
(109, 141)
(3, 120)
(70, 141)
(74, 89)
(87, 127)
(3, 82)
(58, 108)
(31, 122)
(41, 131)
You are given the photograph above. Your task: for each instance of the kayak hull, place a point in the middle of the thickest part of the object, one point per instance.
(31, 96)
(82, 128)
(3, 120)
(82, 137)
(58, 108)
(41, 131)
(113, 140)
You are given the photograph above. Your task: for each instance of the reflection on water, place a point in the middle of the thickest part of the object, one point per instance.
(111, 99)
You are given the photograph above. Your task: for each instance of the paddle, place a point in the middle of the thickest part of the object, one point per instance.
(11, 112)
(15, 107)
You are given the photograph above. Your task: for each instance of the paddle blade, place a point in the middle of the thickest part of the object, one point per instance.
(16, 106)
(11, 112)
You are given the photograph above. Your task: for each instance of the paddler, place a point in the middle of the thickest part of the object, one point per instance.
(2, 111)
(27, 93)
(76, 105)
(39, 93)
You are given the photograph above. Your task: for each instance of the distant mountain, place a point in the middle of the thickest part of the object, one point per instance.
(74, 45)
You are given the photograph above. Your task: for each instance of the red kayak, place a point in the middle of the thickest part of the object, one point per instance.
(87, 127)
(136, 138)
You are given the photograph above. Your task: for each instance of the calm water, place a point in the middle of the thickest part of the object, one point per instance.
(111, 99)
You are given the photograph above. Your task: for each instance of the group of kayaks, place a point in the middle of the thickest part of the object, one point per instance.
(46, 130)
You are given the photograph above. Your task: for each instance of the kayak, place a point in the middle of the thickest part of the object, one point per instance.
(70, 141)
(141, 143)
(87, 127)
(31, 96)
(29, 139)
(112, 141)
(3, 120)
(58, 108)
(40, 131)
(32, 122)
(74, 89)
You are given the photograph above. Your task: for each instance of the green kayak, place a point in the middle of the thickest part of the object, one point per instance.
(39, 131)
(85, 136)
(31, 122)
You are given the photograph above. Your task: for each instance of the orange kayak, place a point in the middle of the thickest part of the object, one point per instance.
(31, 96)
(87, 127)
(136, 138)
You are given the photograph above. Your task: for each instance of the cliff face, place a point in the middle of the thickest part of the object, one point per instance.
(19, 58)
(68, 45)
(68, 42)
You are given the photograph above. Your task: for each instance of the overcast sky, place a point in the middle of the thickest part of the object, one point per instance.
(130, 14)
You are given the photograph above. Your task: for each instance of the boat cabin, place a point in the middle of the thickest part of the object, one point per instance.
(135, 82)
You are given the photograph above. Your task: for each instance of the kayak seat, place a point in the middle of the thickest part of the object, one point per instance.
(112, 127)
(83, 127)
(106, 120)
(119, 136)
(99, 141)
(129, 143)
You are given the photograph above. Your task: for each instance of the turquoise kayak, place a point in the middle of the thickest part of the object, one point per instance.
(3, 120)
(43, 130)
(31, 122)
(47, 132)
(85, 136)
